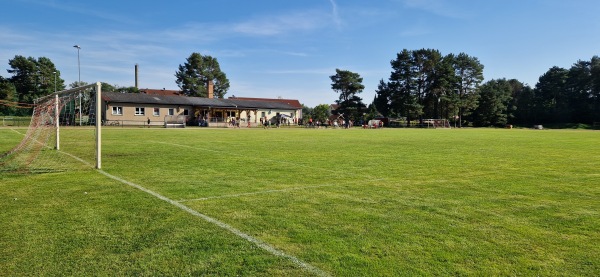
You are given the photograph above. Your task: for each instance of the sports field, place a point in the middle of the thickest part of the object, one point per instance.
(308, 202)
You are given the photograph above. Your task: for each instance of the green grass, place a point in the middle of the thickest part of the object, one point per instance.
(390, 202)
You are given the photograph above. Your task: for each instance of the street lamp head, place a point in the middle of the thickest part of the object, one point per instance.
(77, 46)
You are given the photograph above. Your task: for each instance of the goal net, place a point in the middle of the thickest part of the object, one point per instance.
(63, 134)
(174, 121)
(436, 123)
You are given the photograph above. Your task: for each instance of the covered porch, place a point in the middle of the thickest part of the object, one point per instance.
(225, 117)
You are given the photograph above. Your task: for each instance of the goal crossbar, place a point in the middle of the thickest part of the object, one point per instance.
(43, 135)
(57, 95)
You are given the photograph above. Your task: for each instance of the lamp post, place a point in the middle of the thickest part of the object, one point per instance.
(78, 63)
(79, 80)
(54, 81)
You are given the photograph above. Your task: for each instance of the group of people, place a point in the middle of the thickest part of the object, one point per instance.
(234, 122)
(337, 123)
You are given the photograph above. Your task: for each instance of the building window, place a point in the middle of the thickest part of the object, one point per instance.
(262, 114)
(117, 110)
(156, 112)
(140, 111)
(171, 111)
(186, 112)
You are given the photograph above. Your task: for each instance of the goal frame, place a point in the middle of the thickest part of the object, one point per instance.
(98, 123)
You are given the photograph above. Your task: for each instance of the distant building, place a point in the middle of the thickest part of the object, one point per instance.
(154, 107)
(333, 108)
(291, 102)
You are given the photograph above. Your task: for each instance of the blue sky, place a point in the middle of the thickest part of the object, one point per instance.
(289, 48)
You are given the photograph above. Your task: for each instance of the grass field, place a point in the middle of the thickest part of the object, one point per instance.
(305, 202)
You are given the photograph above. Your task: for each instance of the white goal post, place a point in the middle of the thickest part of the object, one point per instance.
(98, 115)
(77, 108)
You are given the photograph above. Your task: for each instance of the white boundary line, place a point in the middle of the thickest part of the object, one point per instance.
(12, 129)
(261, 244)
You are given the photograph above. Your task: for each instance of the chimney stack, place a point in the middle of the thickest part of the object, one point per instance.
(136, 75)
(210, 88)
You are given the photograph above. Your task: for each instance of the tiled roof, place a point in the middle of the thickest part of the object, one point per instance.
(160, 91)
(143, 98)
(292, 102)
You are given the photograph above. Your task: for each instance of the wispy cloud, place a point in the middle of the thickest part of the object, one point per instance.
(297, 54)
(74, 7)
(334, 11)
(281, 24)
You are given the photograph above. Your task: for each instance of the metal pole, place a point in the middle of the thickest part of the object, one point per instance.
(79, 80)
(98, 127)
(80, 109)
(56, 118)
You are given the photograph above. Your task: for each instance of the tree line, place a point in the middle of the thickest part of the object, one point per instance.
(426, 84)
(422, 84)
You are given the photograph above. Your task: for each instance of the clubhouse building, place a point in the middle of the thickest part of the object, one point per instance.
(170, 108)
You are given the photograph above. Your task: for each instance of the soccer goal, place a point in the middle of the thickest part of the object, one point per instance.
(436, 123)
(65, 126)
(174, 121)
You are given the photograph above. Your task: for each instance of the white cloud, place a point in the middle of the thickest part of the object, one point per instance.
(281, 24)
(335, 14)
(77, 8)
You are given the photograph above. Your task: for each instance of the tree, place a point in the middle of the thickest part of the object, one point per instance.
(580, 90)
(444, 83)
(117, 88)
(348, 84)
(382, 101)
(429, 79)
(320, 113)
(595, 91)
(7, 97)
(403, 88)
(78, 84)
(522, 105)
(494, 99)
(469, 74)
(306, 113)
(33, 78)
(550, 96)
(569, 95)
(194, 75)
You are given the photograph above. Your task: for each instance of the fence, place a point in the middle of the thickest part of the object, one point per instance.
(133, 123)
(15, 121)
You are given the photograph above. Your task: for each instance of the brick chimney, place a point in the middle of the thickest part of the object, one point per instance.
(210, 87)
